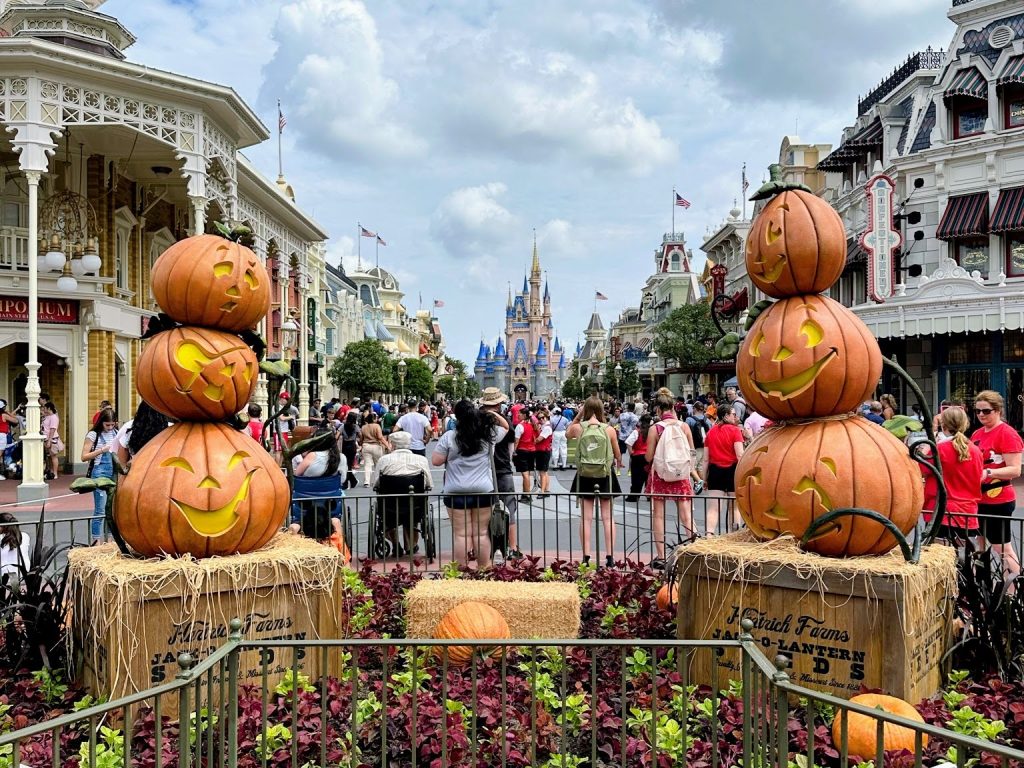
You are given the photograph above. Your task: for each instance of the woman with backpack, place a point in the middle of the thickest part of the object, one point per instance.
(636, 442)
(595, 482)
(670, 456)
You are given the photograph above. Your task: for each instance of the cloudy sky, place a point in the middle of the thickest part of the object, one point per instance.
(457, 127)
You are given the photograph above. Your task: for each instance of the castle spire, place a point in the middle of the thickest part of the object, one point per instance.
(535, 269)
(508, 302)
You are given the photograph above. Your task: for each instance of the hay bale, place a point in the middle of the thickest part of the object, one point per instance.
(546, 610)
(874, 621)
(133, 617)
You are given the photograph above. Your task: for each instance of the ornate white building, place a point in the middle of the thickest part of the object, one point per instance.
(145, 158)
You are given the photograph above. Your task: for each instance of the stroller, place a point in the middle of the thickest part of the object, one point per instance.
(396, 506)
(12, 461)
(321, 493)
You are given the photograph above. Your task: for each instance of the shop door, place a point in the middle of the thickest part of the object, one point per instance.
(1014, 415)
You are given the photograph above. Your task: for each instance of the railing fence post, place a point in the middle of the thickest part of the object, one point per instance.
(185, 664)
(781, 710)
(746, 641)
(232, 706)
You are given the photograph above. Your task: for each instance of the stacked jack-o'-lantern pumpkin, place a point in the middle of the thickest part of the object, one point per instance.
(200, 487)
(807, 363)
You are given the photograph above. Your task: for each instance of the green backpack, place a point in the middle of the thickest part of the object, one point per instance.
(594, 455)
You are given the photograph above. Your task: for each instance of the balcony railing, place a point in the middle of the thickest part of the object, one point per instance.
(927, 59)
(13, 248)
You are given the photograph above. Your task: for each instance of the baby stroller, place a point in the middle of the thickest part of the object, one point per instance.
(320, 493)
(12, 461)
(401, 501)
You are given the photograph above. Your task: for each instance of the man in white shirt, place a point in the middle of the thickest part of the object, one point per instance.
(418, 427)
(559, 445)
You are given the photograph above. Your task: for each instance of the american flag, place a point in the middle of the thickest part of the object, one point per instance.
(746, 184)
(438, 304)
(381, 240)
(365, 232)
(598, 296)
(282, 121)
(681, 201)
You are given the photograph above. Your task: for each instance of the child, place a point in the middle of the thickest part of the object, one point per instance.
(637, 442)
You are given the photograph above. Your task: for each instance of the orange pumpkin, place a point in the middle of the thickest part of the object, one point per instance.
(807, 356)
(791, 475)
(201, 489)
(211, 281)
(796, 245)
(471, 621)
(196, 374)
(862, 730)
(666, 599)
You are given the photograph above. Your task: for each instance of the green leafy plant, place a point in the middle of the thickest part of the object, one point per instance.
(276, 737)
(611, 613)
(51, 683)
(291, 682)
(970, 723)
(109, 752)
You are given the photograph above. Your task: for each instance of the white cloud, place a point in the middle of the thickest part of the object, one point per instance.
(471, 222)
(329, 71)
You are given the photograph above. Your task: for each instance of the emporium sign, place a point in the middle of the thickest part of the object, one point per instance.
(880, 239)
(14, 309)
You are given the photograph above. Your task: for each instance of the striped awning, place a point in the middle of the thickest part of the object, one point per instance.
(1009, 213)
(968, 82)
(1013, 72)
(838, 159)
(383, 334)
(869, 137)
(369, 329)
(965, 216)
(854, 253)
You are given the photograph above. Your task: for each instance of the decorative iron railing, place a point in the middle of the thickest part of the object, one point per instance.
(927, 59)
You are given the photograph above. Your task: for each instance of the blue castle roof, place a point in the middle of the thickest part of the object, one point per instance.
(561, 361)
(481, 356)
(542, 350)
(499, 349)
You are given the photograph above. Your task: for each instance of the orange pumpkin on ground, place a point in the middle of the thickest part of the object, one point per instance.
(790, 475)
(196, 374)
(862, 730)
(807, 356)
(797, 244)
(201, 489)
(471, 621)
(211, 281)
(667, 599)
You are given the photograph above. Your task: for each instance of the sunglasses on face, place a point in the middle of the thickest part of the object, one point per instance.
(983, 411)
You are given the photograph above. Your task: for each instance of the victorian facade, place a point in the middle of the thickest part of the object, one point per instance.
(136, 158)
(948, 129)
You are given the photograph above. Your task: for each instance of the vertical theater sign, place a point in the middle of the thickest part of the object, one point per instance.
(880, 239)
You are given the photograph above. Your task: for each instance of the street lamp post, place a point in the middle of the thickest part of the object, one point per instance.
(618, 381)
(652, 358)
(401, 377)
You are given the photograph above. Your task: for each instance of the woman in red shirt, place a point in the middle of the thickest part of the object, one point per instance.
(723, 448)
(638, 458)
(1001, 449)
(961, 463)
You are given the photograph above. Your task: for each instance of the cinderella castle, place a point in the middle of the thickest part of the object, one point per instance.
(530, 358)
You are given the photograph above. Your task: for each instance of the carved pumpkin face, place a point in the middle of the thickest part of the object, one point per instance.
(797, 244)
(807, 356)
(213, 282)
(201, 489)
(196, 374)
(791, 475)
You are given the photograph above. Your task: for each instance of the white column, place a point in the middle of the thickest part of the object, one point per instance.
(198, 214)
(32, 485)
(305, 332)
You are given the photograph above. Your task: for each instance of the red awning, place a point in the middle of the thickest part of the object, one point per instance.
(1009, 212)
(1013, 72)
(968, 82)
(965, 216)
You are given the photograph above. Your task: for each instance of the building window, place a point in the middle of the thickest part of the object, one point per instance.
(963, 350)
(973, 255)
(969, 118)
(1013, 106)
(1014, 254)
(1013, 346)
(121, 259)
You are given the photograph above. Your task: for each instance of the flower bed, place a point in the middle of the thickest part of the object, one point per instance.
(531, 707)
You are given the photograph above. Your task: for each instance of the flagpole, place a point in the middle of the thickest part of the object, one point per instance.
(376, 251)
(743, 191)
(280, 163)
(359, 247)
(673, 212)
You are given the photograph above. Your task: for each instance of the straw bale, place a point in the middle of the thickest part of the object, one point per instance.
(132, 616)
(546, 610)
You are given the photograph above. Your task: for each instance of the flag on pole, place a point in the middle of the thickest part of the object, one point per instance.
(438, 304)
(380, 240)
(746, 184)
(365, 232)
(682, 202)
(282, 121)
(598, 296)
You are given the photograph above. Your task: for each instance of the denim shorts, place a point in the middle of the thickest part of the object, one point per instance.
(468, 501)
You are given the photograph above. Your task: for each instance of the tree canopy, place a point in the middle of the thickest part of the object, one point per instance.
(685, 334)
(419, 381)
(363, 368)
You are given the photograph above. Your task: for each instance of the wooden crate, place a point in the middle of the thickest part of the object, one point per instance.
(841, 628)
(133, 617)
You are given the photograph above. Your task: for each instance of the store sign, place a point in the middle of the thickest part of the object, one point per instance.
(14, 309)
(311, 325)
(718, 273)
(880, 239)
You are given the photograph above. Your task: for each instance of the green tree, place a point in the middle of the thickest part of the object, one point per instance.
(683, 336)
(447, 386)
(458, 367)
(471, 388)
(419, 381)
(362, 368)
(628, 383)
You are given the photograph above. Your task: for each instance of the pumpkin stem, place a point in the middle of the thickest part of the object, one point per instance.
(776, 184)
(239, 234)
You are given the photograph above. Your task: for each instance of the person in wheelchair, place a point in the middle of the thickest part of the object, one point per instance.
(394, 474)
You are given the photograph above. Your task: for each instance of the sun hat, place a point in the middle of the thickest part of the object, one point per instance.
(492, 396)
(400, 439)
